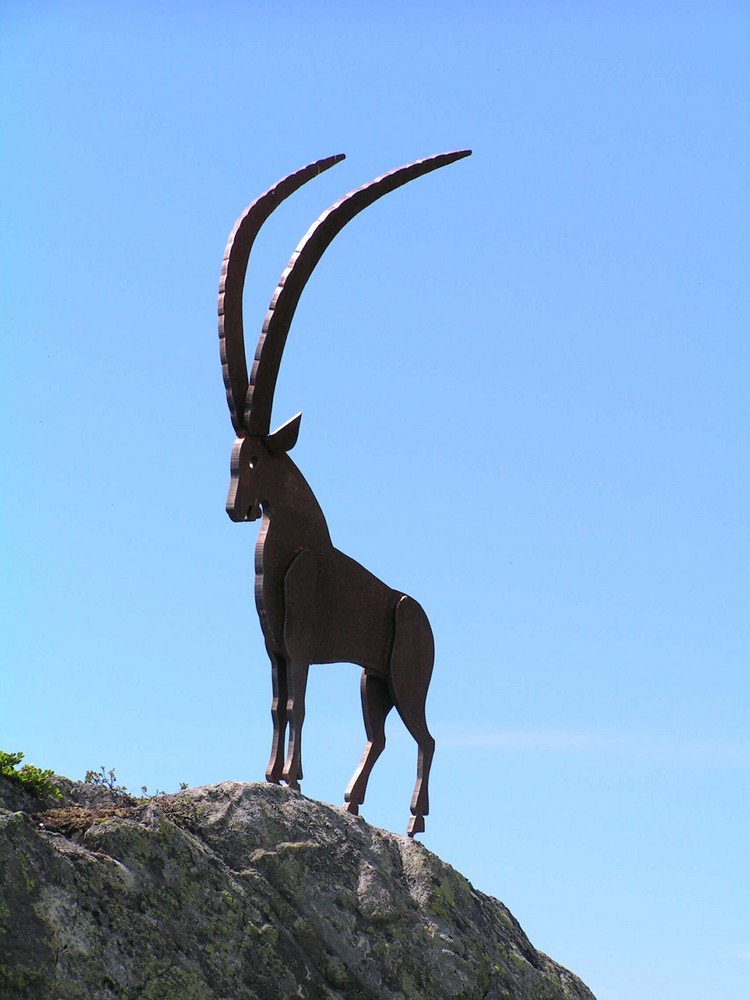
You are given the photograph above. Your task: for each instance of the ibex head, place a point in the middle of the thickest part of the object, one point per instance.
(255, 470)
(258, 454)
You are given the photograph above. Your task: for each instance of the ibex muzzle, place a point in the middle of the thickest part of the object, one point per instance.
(316, 604)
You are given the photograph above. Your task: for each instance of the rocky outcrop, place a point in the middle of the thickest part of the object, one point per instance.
(243, 892)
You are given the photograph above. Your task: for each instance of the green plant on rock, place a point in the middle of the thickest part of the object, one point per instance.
(105, 779)
(33, 778)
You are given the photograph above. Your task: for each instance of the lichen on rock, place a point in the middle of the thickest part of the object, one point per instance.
(248, 892)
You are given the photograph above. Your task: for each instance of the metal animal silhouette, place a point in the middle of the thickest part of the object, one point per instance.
(316, 604)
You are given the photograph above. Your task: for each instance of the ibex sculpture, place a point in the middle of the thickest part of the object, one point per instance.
(316, 605)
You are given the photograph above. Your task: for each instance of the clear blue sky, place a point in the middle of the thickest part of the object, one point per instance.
(524, 386)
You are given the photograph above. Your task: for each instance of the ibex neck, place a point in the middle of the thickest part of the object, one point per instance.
(294, 507)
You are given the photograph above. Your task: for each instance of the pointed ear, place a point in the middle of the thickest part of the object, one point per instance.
(285, 438)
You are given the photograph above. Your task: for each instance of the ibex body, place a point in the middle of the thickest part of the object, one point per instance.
(316, 604)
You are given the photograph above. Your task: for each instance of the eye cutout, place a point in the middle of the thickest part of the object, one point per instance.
(253, 461)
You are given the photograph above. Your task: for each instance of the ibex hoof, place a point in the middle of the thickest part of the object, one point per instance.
(352, 808)
(416, 825)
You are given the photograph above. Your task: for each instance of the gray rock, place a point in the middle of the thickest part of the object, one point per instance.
(243, 892)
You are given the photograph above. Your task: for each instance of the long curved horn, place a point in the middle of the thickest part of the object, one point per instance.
(257, 417)
(232, 282)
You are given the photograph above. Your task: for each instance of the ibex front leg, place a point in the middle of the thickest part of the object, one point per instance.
(292, 773)
(299, 626)
(279, 716)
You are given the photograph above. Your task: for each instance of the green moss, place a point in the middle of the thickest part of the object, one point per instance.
(347, 899)
(26, 873)
(443, 899)
(164, 982)
(269, 933)
(336, 973)
(518, 960)
(19, 978)
(409, 986)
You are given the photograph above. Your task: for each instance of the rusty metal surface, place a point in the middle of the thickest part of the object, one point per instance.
(316, 604)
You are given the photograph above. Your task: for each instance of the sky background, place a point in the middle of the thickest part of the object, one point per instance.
(524, 387)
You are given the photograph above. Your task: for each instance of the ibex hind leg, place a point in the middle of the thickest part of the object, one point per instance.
(410, 672)
(377, 701)
(278, 714)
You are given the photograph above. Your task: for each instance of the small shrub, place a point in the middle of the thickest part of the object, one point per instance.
(108, 779)
(33, 778)
(105, 779)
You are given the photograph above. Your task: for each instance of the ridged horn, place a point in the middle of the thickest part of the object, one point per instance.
(257, 418)
(232, 282)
